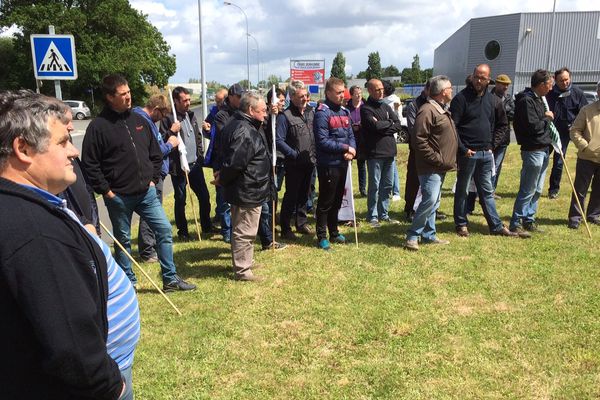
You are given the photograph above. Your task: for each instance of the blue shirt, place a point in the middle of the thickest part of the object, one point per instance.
(165, 148)
(122, 307)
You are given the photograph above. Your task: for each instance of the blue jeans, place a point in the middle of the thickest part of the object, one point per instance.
(557, 164)
(499, 154)
(535, 164)
(396, 182)
(479, 167)
(146, 205)
(265, 224)
(381, 177)
(198, 186)
(223, 212)
(127, 377)
(424, 220)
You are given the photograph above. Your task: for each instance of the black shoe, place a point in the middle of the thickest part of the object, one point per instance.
(178, 284)
(305, 230)
(440, 216)
(248, 278)
(521, 232)
(289, 235)
(184, 237)
(594, 221)
(410, 215)
(277, 245)
(532, 227)
(573, 225)
(505, 232)
(553, 195)
(150, 259)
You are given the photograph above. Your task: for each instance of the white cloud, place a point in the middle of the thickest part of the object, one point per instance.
(398, 29)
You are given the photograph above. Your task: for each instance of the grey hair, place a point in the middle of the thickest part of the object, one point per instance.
(437, 83)
(250, 100)
(295, 85)
(25, 114)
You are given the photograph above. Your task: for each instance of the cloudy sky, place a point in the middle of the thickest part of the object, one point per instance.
(318, 29)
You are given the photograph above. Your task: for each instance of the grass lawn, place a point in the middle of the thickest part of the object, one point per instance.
(484, 318)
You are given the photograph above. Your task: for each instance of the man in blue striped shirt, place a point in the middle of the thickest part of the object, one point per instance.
(70, 316)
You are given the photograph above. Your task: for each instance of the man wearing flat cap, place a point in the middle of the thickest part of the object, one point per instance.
(501, 138)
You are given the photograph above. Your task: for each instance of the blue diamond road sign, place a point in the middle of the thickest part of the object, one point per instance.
(54, 57)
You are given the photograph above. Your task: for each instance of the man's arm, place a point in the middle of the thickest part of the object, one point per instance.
(500, 120)
(282, 146)
(56, 293)
(238, 154)
(91, 158)
(422, 128)
(322, 138)
(576, 131)
(373, 125)
(457, 109)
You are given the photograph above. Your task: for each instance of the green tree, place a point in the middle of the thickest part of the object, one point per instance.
(8, 75)
(373, 66)
(361, 75)
(110, 37)
(338, 67)
(273, 80)
(391, 71)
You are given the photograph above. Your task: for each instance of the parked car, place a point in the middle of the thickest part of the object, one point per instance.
(591, 96)
(79, 109)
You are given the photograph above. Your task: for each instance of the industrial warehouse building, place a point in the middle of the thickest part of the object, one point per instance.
(519, 44)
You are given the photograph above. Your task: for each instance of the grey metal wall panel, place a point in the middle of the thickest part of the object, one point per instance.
(505, 30)
(450, 58)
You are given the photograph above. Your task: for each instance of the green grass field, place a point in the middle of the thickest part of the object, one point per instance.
(483, 318)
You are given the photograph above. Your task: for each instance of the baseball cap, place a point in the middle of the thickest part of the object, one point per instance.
(236, 89)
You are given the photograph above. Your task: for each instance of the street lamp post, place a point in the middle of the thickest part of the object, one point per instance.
(227, 3)
(257, 60)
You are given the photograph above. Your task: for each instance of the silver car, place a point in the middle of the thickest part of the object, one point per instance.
(591, 96)
(79, 109)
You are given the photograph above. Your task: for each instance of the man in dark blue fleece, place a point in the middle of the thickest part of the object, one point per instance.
(477, 114)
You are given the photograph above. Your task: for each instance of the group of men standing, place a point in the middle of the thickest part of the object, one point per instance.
(475, 122)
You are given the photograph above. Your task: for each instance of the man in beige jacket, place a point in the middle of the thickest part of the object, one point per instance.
(585, 134)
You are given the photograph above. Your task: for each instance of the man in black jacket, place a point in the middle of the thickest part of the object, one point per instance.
(191, 135)
(532, 129)
(477, 114)
(225, 114)
(53, 275)
(501, 138)
(245, 176)
(295, 139)
(123, 161)
(379, 123)
(565, 101)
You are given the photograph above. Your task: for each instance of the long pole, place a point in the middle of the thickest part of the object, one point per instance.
(227, 3)
(551, 36)
(352, 198)
(57, 89)
(202, 75)
(257, 60)
(273, 159)
(139, 267)
(587, 227)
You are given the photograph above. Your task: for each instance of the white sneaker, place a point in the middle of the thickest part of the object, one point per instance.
(396, 197)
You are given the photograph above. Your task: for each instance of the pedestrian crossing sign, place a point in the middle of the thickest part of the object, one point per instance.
(54, 57)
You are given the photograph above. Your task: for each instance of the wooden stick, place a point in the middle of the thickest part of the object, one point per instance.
(139, 267)
(353, 205)
(189, 189)
(273, 211)
(587, 227)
